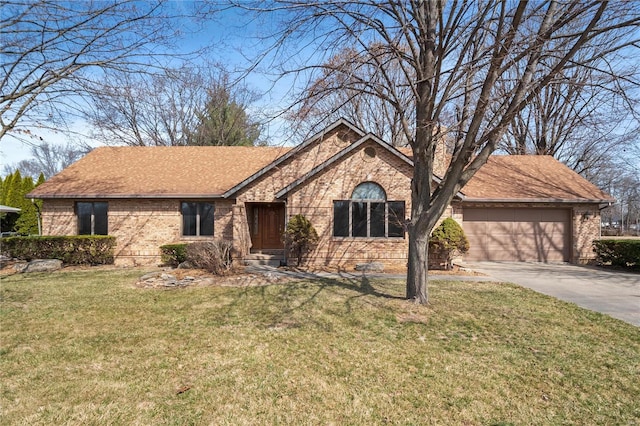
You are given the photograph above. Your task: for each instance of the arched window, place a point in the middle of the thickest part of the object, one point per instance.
(369, 191)
(368, 214)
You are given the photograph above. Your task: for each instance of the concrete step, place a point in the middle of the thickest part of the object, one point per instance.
(263, 262)
(263, 259)
(259, 256)
(272, 252)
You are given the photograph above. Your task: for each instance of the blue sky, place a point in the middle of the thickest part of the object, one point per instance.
(228, 37)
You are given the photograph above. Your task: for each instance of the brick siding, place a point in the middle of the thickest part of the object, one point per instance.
(141, 226)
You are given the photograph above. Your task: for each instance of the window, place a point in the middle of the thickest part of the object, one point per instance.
(197, 218)
(92, 218)
(368, 214)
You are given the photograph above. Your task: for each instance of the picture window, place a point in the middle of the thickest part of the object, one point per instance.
(197, 218)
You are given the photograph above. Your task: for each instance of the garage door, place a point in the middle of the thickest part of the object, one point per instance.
(518, 234)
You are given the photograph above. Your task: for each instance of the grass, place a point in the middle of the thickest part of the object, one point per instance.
(87, 347)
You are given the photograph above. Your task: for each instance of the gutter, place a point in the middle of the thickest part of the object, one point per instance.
(534, 200)
(125, 196)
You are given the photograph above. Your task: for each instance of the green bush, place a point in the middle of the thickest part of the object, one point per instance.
(173, 254)
(449, 239)
(624, 253)
(72, 250)
(300, 236)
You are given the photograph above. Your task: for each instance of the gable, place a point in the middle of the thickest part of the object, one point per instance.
(305, 156)
(337, 179)
(368, 142)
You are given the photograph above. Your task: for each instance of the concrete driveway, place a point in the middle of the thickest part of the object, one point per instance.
(613, 293)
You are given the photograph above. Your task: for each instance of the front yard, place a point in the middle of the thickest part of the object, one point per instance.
(89, 347)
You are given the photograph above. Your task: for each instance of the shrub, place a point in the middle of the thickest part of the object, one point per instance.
(72, 250)
(213, 256)
(625, 253)
(173, 254)
(449, 240)
(300, 236)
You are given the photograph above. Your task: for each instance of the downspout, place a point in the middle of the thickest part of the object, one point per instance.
(286, 220)
(600, 208)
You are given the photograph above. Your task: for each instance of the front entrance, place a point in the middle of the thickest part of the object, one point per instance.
(266, 224)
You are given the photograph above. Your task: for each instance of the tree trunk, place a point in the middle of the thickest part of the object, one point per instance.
(421, 223)
(417, 269)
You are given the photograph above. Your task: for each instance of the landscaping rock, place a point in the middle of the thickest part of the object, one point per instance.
(164, 280)
(43, 265)
(370, 267)
(150, 276)
(19, 267)
(4, 261)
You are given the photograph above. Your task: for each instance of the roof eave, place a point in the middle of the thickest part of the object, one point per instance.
(538, 200)
(291, 153)
(368, 137)
(124, 196)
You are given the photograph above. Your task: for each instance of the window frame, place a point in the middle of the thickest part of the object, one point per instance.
(387, 216)
(369, 222)
(198, 219)
(92, 217)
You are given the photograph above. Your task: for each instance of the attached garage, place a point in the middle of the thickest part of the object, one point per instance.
(518, 234)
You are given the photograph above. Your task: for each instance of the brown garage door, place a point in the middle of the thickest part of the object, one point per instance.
(517, 234)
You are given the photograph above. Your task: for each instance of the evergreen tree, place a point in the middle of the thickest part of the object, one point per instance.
(14, 190)
(11, 196)
(27, 223)
(6, 184)
(224, 121)
(13, 193)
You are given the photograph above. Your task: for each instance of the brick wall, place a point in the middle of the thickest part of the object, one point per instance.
(140, 226)
(265, 188)
(586, 228)
(314, 199)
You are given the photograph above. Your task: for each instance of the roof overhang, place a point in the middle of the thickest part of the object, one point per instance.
(369, 137)
(535, 200)
(126, 196)
(7, 209)
(295, 151)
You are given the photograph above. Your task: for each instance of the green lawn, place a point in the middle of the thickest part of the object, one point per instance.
(87, 347)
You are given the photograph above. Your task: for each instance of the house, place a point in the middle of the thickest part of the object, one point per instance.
(352, 186)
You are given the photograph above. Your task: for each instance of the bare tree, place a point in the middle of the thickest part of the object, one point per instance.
(176, 106)
(583, 115)
(51, 52)
(147, 109)
(48, 159)
(484, 62)
(342, 91)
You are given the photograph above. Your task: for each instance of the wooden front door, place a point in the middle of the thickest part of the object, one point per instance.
(267, 226)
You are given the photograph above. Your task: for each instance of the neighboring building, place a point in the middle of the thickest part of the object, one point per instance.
(353, 187)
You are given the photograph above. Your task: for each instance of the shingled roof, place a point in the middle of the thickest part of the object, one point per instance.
(528, 178)
(210, 172)
(158, 172)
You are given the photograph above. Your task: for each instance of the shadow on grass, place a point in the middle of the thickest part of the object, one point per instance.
(289, 298)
